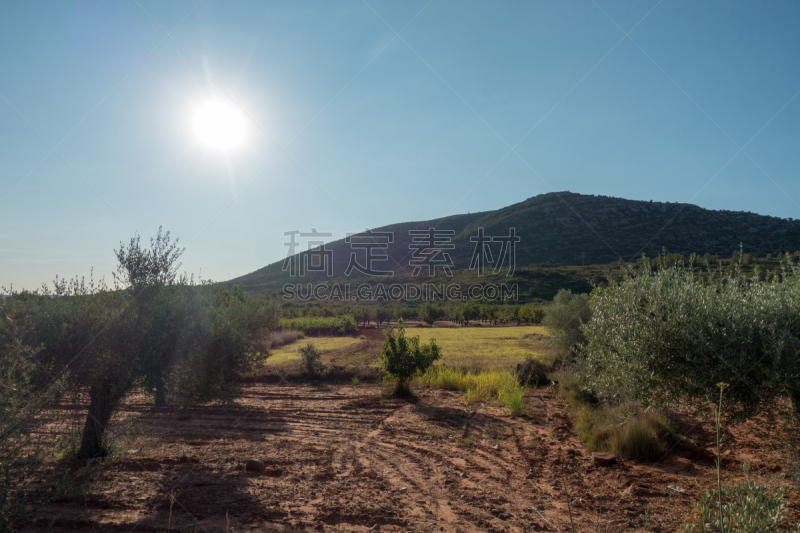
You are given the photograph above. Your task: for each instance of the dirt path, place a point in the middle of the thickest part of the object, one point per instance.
(342, 458)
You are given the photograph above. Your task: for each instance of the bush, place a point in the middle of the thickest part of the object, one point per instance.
(748, 507)
(310, 357)
(319, 325)
(403, 358)
(671, 336)
(622, 429)
(625, 430)
(532, 373)
(564, 318)
(284, 337)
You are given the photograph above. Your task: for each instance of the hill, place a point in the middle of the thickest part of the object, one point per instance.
(558, 232)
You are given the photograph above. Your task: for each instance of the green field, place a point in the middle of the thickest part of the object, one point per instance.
(481, 347)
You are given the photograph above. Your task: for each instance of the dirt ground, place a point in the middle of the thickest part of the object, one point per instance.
(340, 457)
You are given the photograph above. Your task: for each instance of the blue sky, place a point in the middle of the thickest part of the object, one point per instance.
(474, 106)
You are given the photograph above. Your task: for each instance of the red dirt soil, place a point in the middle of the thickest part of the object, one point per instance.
(342, 458)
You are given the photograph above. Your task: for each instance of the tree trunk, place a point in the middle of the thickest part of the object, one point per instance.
(103, 398)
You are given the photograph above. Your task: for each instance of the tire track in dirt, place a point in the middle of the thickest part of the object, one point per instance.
(342, 458)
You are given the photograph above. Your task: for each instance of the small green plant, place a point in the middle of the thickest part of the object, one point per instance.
(310, 358)
(355, 381)
(564, 318)
(748, 507)
(512, 396)
(569, 509)
(467, 441)
(403, 358)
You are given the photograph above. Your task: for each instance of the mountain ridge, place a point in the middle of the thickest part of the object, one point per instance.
(565, 228)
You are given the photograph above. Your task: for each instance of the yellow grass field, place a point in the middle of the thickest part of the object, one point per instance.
(487, 347)
(290, 352)
(478, 347)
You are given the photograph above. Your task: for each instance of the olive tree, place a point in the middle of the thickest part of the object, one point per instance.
(158, 331)
(672, 335)
(564, 318)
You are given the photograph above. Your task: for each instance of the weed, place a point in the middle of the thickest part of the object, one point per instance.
(569, 509)
(748, 507)
(479, 386)
(467, 441)
(355, 381)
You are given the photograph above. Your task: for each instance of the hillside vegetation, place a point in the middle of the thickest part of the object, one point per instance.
(560, 233)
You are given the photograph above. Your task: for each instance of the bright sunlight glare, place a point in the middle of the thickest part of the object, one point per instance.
(219, 125)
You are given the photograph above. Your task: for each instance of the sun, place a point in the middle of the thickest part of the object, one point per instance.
(219, 125)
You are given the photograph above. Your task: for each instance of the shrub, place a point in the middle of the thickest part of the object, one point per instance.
(625, 430)
(532, 373)
(564, 318)
(283, 337)
(748, 507)
(622, 429)
(671, 336)
(310, 357)
(403, 358)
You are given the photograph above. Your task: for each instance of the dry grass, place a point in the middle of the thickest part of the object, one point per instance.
(623, 429)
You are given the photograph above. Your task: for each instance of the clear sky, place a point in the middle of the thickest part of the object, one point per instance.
(346, 125)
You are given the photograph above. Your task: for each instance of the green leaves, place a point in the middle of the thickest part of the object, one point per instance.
(748, 508)
(672, 335)
(403, 358)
